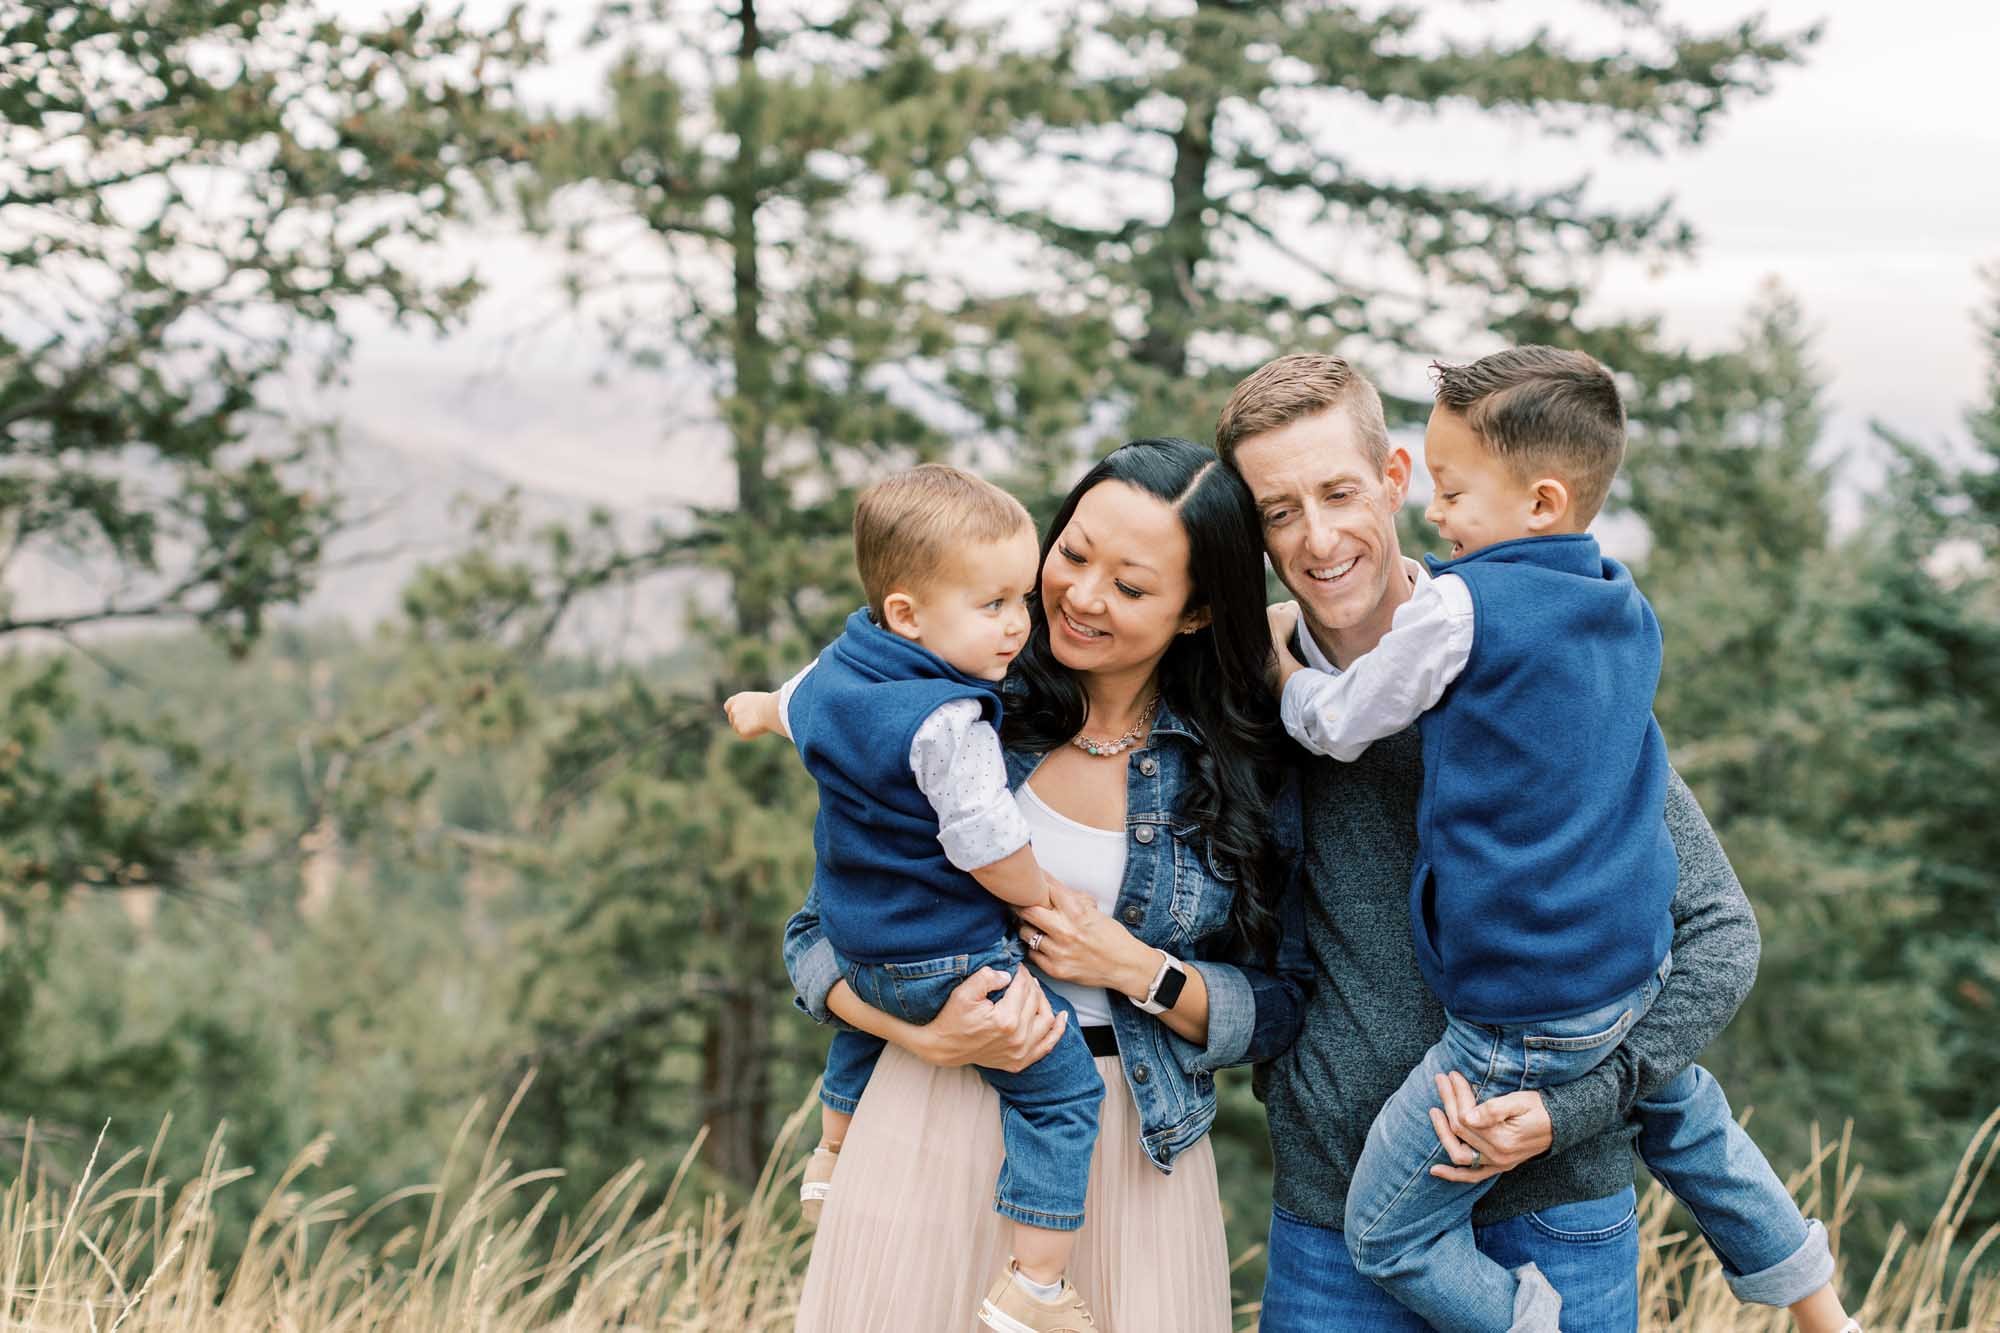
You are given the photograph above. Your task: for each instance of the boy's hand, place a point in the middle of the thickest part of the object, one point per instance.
(752, 713)
(1284, 618)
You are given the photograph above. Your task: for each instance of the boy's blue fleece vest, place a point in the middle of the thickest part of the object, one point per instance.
(1545, 876)
(886, 891)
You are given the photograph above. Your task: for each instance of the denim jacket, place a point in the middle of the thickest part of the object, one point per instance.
(1174, 899)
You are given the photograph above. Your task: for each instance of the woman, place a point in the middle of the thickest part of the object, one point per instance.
(1140, 740)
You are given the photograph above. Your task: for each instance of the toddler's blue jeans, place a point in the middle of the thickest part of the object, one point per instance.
(1048, 1111)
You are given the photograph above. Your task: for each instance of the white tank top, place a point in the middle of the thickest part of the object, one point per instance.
(1086, 858)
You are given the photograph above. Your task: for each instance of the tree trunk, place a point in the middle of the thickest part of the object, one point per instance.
(733, 1089)
(1181, 245)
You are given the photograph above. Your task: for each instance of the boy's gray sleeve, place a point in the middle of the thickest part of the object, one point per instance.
(1715, 962)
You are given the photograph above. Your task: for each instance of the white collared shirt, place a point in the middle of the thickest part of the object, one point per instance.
(1341, 713)
(956, 760)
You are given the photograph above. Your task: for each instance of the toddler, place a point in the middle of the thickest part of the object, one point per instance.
(920, 848)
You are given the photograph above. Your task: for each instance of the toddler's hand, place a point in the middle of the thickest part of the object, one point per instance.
(1284, 618)
(751, 713)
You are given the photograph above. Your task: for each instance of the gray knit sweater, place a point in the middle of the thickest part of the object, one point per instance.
(1370, 1017)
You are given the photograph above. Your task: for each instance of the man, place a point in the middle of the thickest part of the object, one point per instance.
(1307, 435)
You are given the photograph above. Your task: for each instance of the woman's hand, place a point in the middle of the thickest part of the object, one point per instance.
(1076, 942)
(1498, 1135)
(1010, 1033)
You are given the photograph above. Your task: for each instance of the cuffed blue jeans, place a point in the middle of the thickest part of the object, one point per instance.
(1770, 1253)
(1048, 1111)
(1588, 1251)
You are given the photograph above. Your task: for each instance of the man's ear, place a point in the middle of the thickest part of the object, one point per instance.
(899, 614)
(1396, 472)
(1549, 508)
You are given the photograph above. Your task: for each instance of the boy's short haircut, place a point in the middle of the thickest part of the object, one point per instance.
(1543, 410)
(907, 528)
(1294, 387)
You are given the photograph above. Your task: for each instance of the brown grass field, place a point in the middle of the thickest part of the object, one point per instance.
(121, 1249)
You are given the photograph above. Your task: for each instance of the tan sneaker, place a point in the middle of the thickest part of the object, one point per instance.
(817, 1184)
(1011, 1309)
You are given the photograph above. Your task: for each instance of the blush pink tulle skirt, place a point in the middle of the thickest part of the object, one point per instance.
(909, 1241)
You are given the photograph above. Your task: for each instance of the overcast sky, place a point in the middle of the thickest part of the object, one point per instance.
(1868, 183)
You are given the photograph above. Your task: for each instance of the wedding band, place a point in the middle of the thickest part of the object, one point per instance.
(1035, 941)
(1478, 1160)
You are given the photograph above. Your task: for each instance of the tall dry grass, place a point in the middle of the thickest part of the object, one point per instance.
(124, 1249)
(1941, 1282)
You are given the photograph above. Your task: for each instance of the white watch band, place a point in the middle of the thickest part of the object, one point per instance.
(1168, 963)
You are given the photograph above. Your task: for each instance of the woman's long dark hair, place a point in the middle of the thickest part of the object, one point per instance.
(1215, 679)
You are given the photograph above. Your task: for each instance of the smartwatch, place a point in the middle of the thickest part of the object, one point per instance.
(1165, 991)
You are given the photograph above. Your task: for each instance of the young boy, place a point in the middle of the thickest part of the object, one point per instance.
(920, 848)
(1544, 878)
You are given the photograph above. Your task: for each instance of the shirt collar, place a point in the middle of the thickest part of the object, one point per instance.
(1316, 658)
(1168, 722)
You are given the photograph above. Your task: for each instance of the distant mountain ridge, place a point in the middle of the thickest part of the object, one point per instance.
(407, 507)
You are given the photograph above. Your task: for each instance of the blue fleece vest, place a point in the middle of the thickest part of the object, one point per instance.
(1545, 875)
(886, 891)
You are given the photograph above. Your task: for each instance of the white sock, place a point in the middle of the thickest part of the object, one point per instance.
(1044, 1294)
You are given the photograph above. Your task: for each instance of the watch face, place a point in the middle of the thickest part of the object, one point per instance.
(1169, 991)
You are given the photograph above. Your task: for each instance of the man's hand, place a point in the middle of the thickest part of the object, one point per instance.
(1499, 1134)
(1284, 618)
(753, 713)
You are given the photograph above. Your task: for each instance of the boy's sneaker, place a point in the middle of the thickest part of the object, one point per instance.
(817, 1183)
(1011, 1308)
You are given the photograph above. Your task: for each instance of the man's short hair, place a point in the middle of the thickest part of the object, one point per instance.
(1301, 385)
(1544, 411)
(909, 528)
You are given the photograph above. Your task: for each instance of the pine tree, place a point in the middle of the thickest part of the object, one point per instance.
(1724, 470)
(1831, 700)
(194, 195)
(716, 217)
(1186, 177)
(194, 198)
(1912, 652)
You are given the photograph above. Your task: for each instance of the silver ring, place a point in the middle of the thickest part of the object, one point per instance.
(1035, 941)
(1478, 1160)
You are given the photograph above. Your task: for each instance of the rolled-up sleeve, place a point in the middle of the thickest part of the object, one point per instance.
(960, 768)
(811, 962)
(1254, 1011)
(1232, 1017)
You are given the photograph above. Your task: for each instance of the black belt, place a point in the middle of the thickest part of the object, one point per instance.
(1101, 1039)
